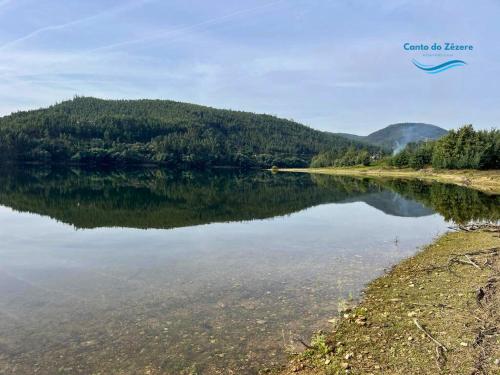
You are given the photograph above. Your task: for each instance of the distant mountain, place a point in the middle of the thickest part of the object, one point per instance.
(395, 137)
(88, 130)
(393, 204)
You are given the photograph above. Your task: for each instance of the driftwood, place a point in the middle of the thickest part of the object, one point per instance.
(458, 258)
(486, 227)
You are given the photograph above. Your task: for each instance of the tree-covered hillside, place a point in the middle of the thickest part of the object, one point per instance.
(395, 137)
(95, 131)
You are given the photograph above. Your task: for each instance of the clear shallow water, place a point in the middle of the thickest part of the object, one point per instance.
(232, 267)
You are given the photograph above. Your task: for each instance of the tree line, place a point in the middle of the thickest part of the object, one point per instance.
(347, 158)
(464, 148)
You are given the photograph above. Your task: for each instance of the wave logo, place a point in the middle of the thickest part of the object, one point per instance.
(434, 69)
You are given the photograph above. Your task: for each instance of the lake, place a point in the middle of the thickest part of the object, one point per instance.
(155, 272)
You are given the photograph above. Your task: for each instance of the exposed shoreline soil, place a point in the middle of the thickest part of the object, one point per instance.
(437, 312)
(486, 181)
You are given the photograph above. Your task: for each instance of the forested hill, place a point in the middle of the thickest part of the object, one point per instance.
(94, 131)
(396, 136)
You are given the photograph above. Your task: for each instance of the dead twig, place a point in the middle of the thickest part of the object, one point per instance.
(429, 335)
(483, 333)
(299, 339)
(469, 260)
(440, 357)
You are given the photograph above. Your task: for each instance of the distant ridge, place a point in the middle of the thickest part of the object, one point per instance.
(395, 137)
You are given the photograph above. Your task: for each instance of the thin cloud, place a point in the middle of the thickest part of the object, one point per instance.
(62, 26)
(4, 3)
(165, 33)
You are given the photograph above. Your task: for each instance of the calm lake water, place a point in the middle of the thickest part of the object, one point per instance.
(147, 272)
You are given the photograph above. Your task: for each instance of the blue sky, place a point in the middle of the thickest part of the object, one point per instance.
(333, 65)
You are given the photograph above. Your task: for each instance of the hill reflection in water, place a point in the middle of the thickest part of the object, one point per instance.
(151, 198)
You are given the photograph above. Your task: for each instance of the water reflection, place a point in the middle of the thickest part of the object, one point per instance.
(158, 199)
(277, 254)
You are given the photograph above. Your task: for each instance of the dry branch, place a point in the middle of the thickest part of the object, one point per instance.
(429, 335)
(469, 260)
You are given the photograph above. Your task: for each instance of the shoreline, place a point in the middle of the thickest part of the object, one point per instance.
(487, 181)
(435, 312)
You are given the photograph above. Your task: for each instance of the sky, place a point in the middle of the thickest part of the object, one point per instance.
(333, 65)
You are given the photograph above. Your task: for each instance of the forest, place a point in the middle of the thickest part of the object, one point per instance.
(97, 132)
(91, 131)
(464, 148)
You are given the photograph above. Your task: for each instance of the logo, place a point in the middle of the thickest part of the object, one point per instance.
(438, 50)
(433, 69)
